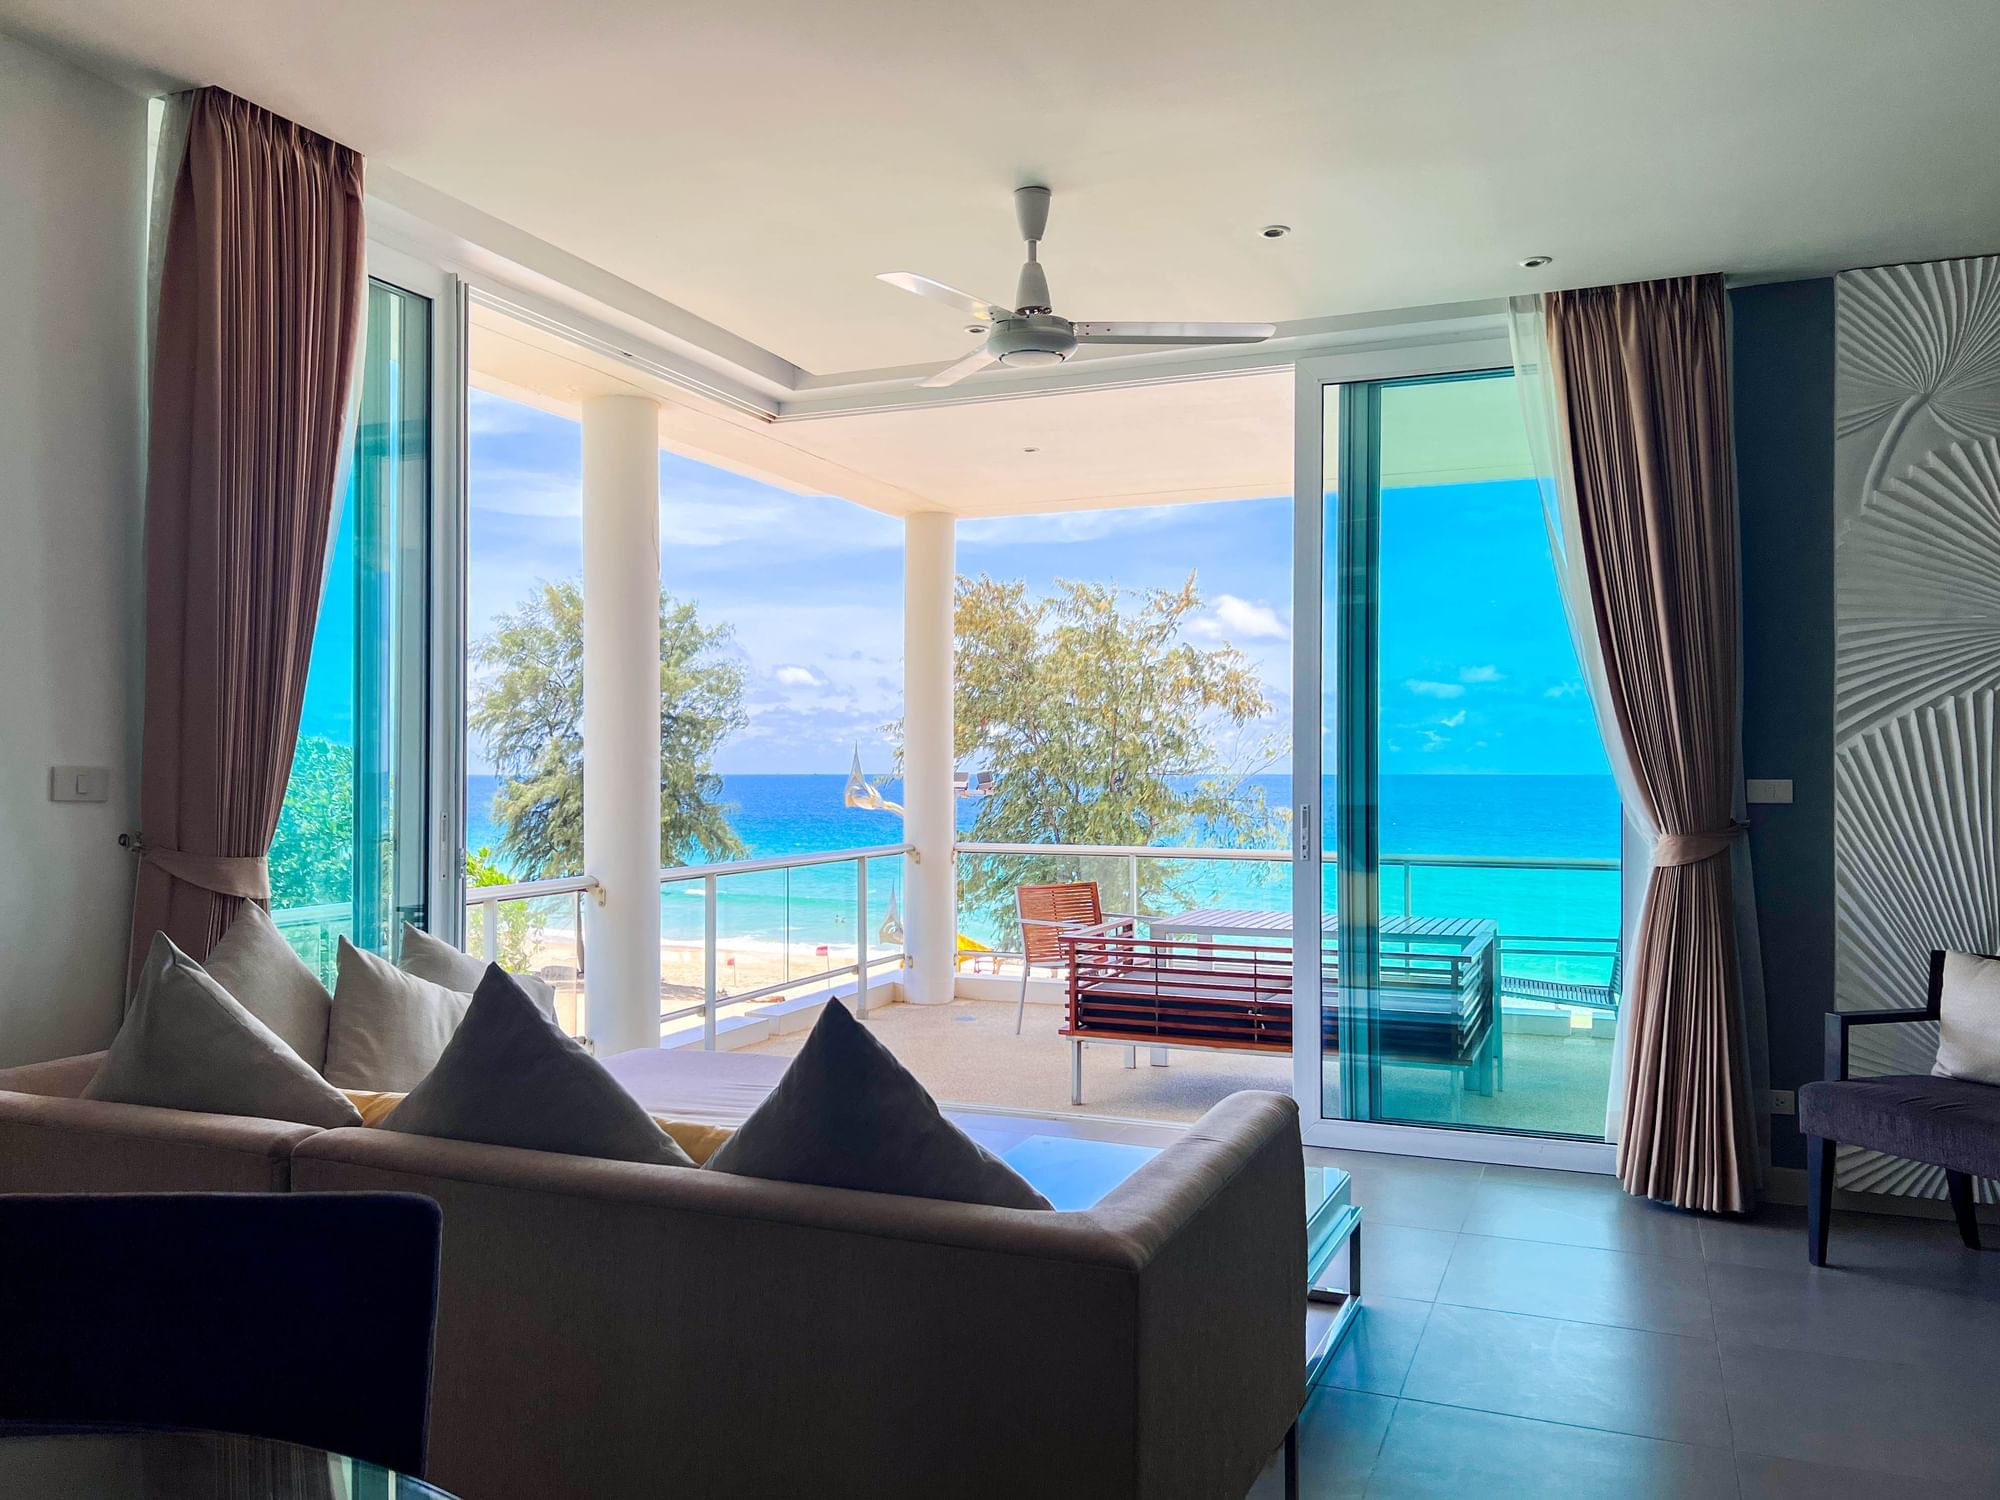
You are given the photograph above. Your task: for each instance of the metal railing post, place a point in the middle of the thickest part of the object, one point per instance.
(861, 936)
(708, 963)
(1132, 874)
(489, 929)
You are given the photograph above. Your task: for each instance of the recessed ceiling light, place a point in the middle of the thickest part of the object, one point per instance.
(978, 327)
(1536, 262)
(1275, 231)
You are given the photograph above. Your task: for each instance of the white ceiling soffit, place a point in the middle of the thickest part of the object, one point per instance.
(1152, 444)
(745, 171)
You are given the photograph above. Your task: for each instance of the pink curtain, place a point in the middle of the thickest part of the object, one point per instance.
(1641, 375)
(261, 295)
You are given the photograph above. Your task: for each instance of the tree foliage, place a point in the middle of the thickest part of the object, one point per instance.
(1104, 724)
(312, 851)
(516, 945)
(528, 708)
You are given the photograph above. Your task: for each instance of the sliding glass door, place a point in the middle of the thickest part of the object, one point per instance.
(1460, 860)
(350, 857)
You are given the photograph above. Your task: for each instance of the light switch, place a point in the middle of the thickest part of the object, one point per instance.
(79, 784)
(1766, 791)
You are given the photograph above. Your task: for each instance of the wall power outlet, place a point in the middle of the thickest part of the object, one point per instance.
(1780, 1102)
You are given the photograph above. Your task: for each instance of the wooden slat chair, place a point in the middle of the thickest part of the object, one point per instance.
(1045, 911)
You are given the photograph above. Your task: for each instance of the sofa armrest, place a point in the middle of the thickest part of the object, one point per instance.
(60, 1078)
(57, 1145)
(1217, 1224)
(1840, 1022)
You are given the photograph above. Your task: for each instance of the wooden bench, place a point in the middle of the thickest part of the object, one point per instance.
(1434, 1009)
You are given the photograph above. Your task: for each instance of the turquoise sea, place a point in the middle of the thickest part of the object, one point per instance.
(1487, 817)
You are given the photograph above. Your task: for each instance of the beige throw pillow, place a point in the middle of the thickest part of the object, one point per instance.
(510, 1078)
(259, 968)
(388, 1028)
(430, 957)
(1969, 1019)
(187, 1044)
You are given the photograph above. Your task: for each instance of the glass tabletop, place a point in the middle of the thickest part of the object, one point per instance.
(172, 1465)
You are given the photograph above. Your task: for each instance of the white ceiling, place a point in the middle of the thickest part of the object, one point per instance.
(758, 164)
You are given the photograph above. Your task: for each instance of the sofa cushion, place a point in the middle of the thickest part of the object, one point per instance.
(511, 1078)
(1946, 1122)
(848, 1114)
(269, 979)
(188, 1044)
(430, 957)
(388, 1028)
(1969, 1019)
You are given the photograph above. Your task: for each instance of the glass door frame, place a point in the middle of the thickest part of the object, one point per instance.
(444, 695)
(1356, 750)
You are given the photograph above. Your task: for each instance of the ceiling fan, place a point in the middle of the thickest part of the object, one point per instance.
(1029, 333)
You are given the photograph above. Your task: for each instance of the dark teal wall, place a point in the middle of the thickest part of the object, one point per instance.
(1783, 349)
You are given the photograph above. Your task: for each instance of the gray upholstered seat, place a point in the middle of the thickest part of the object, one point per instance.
(1944, 1121)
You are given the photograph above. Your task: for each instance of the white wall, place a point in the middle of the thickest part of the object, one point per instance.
(72, 212)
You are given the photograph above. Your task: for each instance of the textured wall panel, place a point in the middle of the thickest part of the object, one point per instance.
(1917, 655)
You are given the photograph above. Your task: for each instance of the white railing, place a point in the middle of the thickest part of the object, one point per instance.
(484, 913)
(1594, 948)
(711, 877)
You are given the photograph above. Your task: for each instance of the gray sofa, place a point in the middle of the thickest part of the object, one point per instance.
(607, 1328)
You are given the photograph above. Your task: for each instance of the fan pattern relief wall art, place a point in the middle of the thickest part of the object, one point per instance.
(1917, 653)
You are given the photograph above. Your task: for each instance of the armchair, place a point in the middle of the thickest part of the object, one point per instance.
(1952, 1123)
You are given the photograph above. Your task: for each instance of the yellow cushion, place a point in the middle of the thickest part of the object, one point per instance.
(699, 1141)
(374, 1106)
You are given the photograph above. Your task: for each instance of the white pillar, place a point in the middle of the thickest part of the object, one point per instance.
(621, 719)
(930, 920)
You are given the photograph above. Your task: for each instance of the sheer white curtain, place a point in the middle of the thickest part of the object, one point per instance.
(1536, 384)
(1534, 379)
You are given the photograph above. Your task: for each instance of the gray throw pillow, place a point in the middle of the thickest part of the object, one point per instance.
(187, 1044)
(431, 957)
(259, 968)
(388, 1028)
(847, 1114)
(1969, 1019)
(511, 1078)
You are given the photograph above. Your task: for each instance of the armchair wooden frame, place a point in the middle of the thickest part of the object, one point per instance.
(1821, 1153)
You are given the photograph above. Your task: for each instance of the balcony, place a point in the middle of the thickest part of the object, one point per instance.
(750, 950)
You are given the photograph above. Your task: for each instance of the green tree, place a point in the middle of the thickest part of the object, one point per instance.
(515, 950)
(528, 708)
(312, 852)
(1103, 724)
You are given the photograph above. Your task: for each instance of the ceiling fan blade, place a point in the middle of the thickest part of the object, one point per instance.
(1173, 333)
(950, 296)
(978, 359)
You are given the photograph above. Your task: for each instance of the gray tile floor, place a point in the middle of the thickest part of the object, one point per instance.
(1532, 1333)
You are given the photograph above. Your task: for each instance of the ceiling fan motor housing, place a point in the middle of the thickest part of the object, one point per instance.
(1036, 339)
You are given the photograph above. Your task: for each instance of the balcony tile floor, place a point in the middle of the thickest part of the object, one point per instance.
(967, 1052)
(1531, 1333)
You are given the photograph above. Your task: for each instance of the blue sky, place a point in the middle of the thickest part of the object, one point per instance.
(1478, 673)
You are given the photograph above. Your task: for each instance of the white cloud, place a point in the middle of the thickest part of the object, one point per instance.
(1238, 620)
(1060, 526)
(1481, 674)
(1569, 689)
(792, 676)
(1424, 688)
(1452, 721)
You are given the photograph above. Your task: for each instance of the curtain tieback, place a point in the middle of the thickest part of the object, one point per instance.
(245, 875)
(1693, 848)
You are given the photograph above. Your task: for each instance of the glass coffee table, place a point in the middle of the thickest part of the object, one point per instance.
(1074, 1173)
